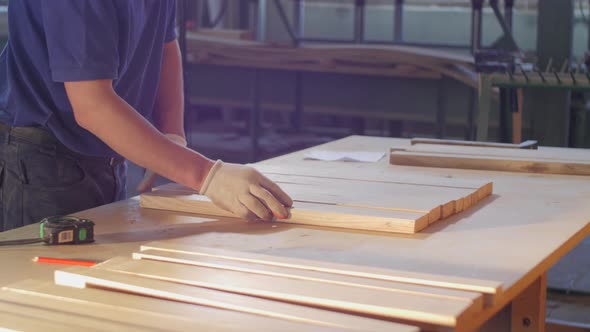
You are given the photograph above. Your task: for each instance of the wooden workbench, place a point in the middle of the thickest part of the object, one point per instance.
(513, 237)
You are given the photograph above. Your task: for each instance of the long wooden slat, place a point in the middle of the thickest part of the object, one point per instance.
(476, 299)
(544, 154)
(304, 213)
(491, 289)
(488, 163)
(318, 319)
(361, 301)
(138, 311)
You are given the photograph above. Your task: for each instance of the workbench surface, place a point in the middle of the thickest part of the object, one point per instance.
(513, 237)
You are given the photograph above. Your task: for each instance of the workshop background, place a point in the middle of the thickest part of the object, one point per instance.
(298, 109)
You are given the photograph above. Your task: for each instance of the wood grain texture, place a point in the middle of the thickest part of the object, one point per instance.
(355, 300)
(141, 312)
(320, 277)
(344, 203)
(489, 163)
(490, 289)
(304, 213)
(317, 319)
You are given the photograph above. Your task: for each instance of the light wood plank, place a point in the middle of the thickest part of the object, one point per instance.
(573, 155)
(360, 301)
(320, 320)
(488, 163)
(491, 289)
(139, 311)
(305, 213)
(476, 299)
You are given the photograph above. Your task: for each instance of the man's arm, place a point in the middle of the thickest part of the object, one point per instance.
(99, 109)
(169, 108)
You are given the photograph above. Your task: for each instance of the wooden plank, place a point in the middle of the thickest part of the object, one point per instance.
(319, 320)
(304, 213)
(373, 175)
(490, 289)
(488, 163)
(524, 145)
(321, 277)
(573, 155)
(357, 300)
(139, 311)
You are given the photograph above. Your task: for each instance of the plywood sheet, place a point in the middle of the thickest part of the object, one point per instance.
(343, 298)
(317, 319)
(491, 289)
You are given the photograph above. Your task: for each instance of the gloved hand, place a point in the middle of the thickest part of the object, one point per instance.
(245, 192)
(150, 177)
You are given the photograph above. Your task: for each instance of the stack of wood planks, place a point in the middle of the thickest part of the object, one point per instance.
(543, 160)
(171, 286)
(377, 60)
(404, 206)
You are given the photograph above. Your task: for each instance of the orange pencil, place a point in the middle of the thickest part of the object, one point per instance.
(51, 260)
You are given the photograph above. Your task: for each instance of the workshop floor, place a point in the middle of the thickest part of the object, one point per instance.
(568, 280)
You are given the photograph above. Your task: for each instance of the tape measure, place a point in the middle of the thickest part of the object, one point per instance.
(66, 230)
(60, 230)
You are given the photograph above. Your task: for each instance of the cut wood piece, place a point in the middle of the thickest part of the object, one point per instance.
(304, 213)
(318, 320)
(357, 300)
(381, 175)
(490, 289)
(137, 311)
(321, 277)
(488, 163)
(524, 145)
(544, 154)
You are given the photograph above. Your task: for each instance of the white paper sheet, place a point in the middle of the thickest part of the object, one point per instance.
(359, 156)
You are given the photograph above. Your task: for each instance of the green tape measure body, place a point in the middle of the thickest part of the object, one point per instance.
(66, 230)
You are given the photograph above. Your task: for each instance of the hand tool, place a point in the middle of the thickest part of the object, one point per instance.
(60, 230)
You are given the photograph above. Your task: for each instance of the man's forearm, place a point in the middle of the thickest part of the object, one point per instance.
(99, 110)
(169, 107)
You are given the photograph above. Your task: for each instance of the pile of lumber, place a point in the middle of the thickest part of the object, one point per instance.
(377, 60)
(403, 206)
(175, 287)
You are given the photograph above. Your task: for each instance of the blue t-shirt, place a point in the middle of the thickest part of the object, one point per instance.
(56, 41)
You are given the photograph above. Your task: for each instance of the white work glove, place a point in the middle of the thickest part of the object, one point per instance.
(245, 192)
(150, 177)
